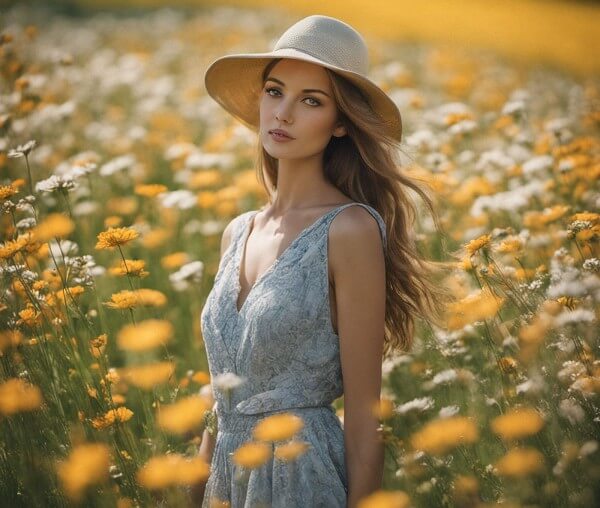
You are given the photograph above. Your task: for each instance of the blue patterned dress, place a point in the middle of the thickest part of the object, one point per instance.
(283, 345)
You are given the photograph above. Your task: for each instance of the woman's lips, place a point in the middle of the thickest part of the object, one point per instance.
(279, 137)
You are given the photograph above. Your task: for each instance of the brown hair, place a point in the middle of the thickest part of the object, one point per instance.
(361, 165)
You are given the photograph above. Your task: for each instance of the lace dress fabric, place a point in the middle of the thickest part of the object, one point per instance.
(282, 344)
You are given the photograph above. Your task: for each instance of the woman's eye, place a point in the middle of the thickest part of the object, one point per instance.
(269, 90)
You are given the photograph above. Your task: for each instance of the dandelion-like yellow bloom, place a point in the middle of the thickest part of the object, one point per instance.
(201, 377)
(252, 454)
(98, 344)
(150, 190)
(512, 244)
(385, 499)
(12, 247)
(517, 423)
(383, 408)
(474, 307)
(17, 396)
(6, 191)
(120, 414)
(9, 339)
(440, 436)
(184, 415)
(206, 178)
(132, 267)
(86, 465)
(55, 225)
(520, 462)
(156, 238)
(127, 299)
(172, 469)
(145, 335)
(478, 243)
(150, 375)
(115, 237)
(278, 427)
(174, 260)
(291, 450)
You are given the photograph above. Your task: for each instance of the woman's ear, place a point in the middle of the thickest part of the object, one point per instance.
(339, 131)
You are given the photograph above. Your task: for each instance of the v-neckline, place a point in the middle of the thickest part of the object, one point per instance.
(241, 254)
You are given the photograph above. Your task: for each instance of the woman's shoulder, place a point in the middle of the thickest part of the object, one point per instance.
(357, 224)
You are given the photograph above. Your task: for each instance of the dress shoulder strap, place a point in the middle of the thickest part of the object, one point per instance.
(373, 212)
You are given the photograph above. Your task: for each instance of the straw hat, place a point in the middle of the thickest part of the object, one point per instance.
(234, 81)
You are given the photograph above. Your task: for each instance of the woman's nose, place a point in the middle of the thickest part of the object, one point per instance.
(283, 112)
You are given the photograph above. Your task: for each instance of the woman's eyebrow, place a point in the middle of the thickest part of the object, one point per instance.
(306, 90)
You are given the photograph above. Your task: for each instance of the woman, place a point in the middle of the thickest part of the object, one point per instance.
(315, 286)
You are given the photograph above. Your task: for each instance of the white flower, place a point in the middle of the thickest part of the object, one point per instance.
(448, 411)
(22, 150)
(588, 448)
(420, 404)
(182, 199)
(117, 164)
(574, 316)
(571, 410)
(445, 376)
(537, 164)
(227, 381)
(188, 274)
(513, 107)
(55, 183)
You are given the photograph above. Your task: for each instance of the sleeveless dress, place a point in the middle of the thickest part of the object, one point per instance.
(282, 344)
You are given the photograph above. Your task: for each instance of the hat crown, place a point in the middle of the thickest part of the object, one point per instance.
(329, 40)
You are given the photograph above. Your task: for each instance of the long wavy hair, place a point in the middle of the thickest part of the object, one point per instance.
(362, 166)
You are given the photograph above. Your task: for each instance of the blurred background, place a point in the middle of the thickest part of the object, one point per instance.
(556, 32)
(105, 124)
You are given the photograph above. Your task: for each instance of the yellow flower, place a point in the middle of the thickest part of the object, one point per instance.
(520, 462)
(385, 499)
(17, 396)
(56, 225)
(9, 339)
(150, 190)
(478, 243)
(150, 375)
(127, 299)
(205, 178)
(114, 237)
(475, 307)
(133, 267)
(511, 244)
(201, 377)
(120, 414)
(517, 423)
(98, 344)
(291, 450)
(383, 408)
(12, 247)
(86, 465)
(145, 335)
(278, 427)
(184, 415)
(156, 238)
(252, 454)
(440, 436)
(6, 191)
(535, 219)
(29, 316)
(174, 260)
(172, 469)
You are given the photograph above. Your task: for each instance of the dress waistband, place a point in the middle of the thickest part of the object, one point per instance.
(235, 421)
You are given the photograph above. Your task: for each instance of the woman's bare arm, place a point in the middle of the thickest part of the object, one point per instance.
(358, 266)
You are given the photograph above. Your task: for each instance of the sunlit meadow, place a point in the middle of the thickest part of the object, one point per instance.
(118, 175)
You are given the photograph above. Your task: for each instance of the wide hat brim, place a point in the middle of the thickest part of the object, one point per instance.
(234, 81)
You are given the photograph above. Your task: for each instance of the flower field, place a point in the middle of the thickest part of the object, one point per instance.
(117, 176)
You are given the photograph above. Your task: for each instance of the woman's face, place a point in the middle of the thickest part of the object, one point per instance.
(297, 98)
